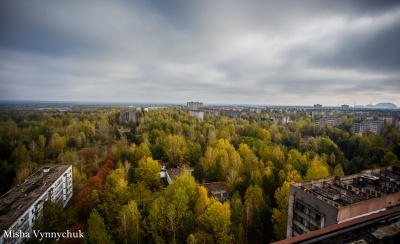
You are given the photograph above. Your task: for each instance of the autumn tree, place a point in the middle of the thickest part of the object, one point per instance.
(142, 151)
(174, 147)
(192, 153)
(280, 214)
(338, 170)
(155, 223)
(216, 221)
(253, 204)
(237, 214)
(129, 224)
(390, 159)
(172, 214)
(317, 170)
(148, 172)
(202, 201)
(97, 232)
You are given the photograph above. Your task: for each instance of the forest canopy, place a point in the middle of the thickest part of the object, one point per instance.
(118, 195)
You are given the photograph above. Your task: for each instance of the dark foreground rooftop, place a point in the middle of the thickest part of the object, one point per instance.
(381, 227)
(20, 198)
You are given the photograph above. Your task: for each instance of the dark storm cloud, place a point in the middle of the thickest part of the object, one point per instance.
(372, 49)
(272, 52)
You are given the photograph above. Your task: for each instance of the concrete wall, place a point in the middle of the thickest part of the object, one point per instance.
(368, 206)
(328, 210)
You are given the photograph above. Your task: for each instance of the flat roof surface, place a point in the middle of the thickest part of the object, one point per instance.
(215, 186)
(20, 198)
(173, 172)
(346, 190)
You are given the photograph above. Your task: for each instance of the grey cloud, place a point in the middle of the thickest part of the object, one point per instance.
(218, 51)
(378, 50)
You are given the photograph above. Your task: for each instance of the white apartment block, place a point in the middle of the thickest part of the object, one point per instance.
(328, 121)
(194, 105)
(23, 204)
(373, 126)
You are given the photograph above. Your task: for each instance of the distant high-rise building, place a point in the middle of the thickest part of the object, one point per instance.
(328, 121)
(365, 126)
(319, 203)
(197, 113)
(345, 107)
(194, 105)
(317, 106)
(129, 115)
(194, 109)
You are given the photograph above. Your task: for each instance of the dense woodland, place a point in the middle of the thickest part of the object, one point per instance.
(118, 195)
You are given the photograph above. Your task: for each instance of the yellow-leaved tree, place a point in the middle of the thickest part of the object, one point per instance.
(280, 213)
(317, 170)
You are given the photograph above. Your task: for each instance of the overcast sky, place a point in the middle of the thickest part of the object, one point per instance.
(248, 52)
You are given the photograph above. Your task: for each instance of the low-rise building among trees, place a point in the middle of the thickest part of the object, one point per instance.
(218, 190)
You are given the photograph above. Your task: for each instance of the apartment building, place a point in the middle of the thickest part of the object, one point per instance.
(194, 105)
(319, 203)
(364, 126)
(198, 114)
(22, 205)
(129, 115)
(328, 121)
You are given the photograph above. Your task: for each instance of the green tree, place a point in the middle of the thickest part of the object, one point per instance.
(174, 147)
(279, 214)
(216, 221)
(317, 170)
(202, 201)
(156, 222)
(97, 229)
(129, 224)
(42, 142)
(253, 204)
(237, 213)
(390, 159)
(142, 151)
(192, 153)
(149, 172)
(338, 170)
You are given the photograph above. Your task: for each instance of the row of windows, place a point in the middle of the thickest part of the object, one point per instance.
(312, 214)
(304, 222)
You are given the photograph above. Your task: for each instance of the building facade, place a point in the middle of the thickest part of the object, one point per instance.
(195, 109)
(328, 121)
(129, 115)
(22, 205)
(319, 203)
(345, 107)
(318, 106)
(365, 126)
(198, 114)
(218, 190)
(194, 105)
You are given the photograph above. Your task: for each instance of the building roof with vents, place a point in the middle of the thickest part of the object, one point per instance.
(19, 199)
(347, 190)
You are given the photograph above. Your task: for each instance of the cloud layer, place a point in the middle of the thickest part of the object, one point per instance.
(254, 52)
